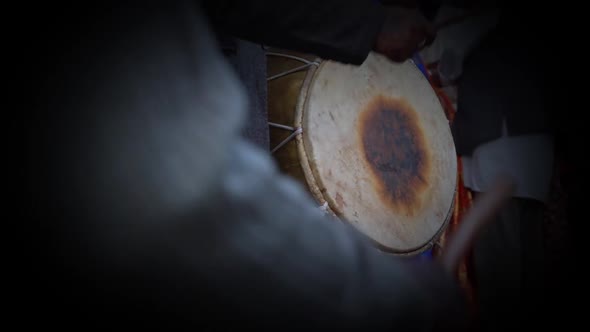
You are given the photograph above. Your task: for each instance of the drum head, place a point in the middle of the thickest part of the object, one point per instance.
(379, 148)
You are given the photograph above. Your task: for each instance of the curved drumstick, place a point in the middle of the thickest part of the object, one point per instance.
(484, 208)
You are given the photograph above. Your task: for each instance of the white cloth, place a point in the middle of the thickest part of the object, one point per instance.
(528, 159)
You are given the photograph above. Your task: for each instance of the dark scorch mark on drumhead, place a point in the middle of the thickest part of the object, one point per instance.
(394, 146)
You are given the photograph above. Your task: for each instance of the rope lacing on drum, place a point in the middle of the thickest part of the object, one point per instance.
(295, 131)
(306, 65)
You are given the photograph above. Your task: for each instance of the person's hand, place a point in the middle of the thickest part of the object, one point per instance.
(404, 32)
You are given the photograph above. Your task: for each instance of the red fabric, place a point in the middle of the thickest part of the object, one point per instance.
(463, 201)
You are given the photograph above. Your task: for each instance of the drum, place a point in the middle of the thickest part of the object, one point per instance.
(370, 142)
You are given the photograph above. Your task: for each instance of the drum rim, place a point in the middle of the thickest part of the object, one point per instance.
(314, 184)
